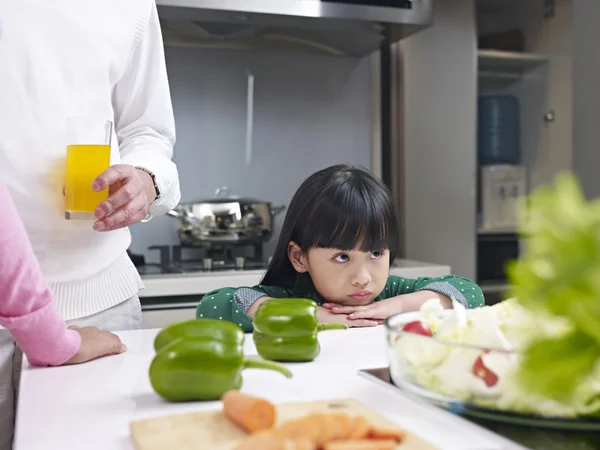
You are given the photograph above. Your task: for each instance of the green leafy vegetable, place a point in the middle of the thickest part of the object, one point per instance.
(559, 275)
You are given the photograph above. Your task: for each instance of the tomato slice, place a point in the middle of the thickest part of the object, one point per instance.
(480, 370)
(417, 327)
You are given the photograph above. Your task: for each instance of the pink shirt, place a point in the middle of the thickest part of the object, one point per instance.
(26, 303)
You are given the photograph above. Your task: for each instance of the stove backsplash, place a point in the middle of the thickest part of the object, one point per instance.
(309, 112)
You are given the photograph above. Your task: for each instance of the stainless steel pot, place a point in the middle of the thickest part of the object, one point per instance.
(225, 219)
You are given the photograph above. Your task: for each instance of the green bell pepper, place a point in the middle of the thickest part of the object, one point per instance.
(286, 329)
(203, 363)
(210, 328)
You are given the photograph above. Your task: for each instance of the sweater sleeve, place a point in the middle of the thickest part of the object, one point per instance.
(144, 121)
(462, 289)
(231, 304)
(26, 302)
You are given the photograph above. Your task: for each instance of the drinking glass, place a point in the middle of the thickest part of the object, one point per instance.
(88, 155)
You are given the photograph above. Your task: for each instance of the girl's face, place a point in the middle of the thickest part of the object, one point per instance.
(349, 278)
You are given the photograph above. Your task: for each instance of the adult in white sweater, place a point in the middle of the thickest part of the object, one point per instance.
(66, 58)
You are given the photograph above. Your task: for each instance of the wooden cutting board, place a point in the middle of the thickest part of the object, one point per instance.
(212, 430)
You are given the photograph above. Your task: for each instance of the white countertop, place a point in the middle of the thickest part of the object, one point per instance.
(90, 406)
(199, 283)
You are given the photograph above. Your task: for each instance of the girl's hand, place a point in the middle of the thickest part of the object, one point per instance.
(95, 343)
(385, 308)
(377, 312)
(324, 315)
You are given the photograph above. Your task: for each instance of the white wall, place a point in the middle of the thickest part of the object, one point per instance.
(586, 101)
(440, 91)
(310, 112)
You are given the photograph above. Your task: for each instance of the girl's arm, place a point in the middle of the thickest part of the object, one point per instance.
(462, 289)
(404, 295)
(236, 305)
(26, 302)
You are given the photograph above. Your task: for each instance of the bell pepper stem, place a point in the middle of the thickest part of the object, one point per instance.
(331, 326)
(255, 363)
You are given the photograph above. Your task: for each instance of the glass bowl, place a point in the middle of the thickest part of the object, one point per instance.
(474, 380)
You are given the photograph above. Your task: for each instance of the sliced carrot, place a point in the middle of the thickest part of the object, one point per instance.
(342, 423)
(307, 427)
(328, 427)
(318, 427)
(359, 428)
(305, 444)
(266, 441)
(386, 433)
(249, 413)
(361, 444)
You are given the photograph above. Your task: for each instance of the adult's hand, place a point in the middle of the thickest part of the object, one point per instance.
(95, 343)
(131, 192)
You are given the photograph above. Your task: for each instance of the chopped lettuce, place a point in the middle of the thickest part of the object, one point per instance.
(508, 327)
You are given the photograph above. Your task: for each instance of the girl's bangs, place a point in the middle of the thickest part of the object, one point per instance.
(353, 224)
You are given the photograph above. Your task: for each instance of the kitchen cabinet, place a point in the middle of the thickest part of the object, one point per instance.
(164, 317)
(440, 73)
(586, 100)
(539, 76)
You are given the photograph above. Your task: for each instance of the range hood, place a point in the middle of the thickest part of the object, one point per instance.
(333, 27)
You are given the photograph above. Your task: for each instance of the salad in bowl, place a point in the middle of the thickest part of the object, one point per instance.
(536, 355)
(475, 357)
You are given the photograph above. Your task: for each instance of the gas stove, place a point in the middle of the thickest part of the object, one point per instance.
(179, 259)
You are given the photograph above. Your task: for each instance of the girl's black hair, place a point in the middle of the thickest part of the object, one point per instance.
(343, 207)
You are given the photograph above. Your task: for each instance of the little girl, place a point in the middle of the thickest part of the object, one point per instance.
(336, 244)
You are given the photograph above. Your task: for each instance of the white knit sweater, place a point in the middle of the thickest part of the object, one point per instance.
(64, 58)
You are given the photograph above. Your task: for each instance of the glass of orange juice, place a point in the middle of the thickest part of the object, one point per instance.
(88, 155)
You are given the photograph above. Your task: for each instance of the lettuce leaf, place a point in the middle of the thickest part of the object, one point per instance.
(559, 275)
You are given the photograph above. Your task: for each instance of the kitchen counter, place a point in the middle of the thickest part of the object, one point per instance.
(198, 283)
(90, 406)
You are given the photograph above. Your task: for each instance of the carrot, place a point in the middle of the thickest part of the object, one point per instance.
(359, 428)
(385, 434)
(268, 441)
(308, 427)
(319, 427)
(305, 444)
(328, 427)
(342, 424)
(249, 413)
(361, 444)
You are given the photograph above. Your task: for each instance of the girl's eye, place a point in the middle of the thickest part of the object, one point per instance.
(341, 258)
(377, 254)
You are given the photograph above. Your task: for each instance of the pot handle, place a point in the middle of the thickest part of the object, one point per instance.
(175, 213)
(278, 210)
(180, 212)
(222, 189)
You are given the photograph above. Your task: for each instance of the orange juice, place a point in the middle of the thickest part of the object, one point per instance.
(84, 163)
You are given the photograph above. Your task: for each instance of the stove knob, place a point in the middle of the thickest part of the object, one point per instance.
(239, 262)
(207, 263)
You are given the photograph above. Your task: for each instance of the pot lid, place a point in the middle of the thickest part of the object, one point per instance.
(224, 194)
